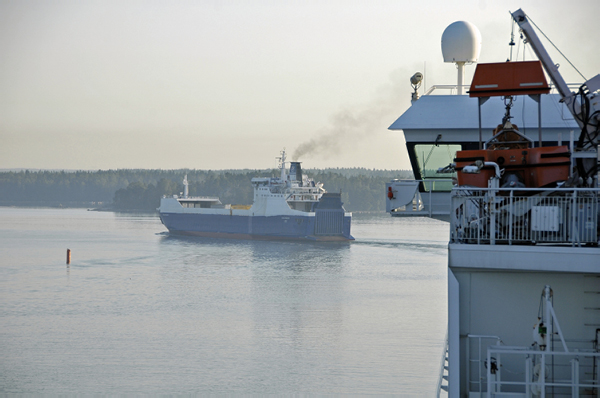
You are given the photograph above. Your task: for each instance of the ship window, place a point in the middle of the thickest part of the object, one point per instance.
(433, 157)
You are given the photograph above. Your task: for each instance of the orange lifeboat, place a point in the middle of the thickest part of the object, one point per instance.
(523, 164)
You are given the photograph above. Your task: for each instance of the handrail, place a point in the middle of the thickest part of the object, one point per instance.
(508, 215)
(479, 339)
(574, 383)
(453, 87)
(560, 189)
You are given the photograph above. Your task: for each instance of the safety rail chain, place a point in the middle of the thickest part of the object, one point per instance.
(524, 216)
(534, 384)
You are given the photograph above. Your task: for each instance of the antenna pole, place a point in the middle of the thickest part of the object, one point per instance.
(461, 78)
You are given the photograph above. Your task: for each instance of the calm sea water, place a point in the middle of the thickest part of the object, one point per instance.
(139, 311)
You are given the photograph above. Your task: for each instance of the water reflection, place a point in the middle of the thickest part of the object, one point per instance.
(284, 300)
(289, 254)
(297, 310)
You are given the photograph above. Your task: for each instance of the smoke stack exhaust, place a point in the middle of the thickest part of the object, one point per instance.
(296, 172)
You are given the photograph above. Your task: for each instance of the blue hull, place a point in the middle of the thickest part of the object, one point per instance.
(325, 226)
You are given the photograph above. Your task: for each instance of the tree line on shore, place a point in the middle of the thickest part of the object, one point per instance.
(141, 190)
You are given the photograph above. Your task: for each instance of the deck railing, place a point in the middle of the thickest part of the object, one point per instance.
(524, 216)
(453, 88)
(544, 373)
(478, 362)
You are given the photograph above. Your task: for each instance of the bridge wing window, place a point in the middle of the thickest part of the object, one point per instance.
(432, 157)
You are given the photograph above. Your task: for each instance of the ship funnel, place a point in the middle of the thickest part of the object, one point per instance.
(296, 172)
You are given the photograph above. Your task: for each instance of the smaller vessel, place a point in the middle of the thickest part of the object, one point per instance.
(291, 206)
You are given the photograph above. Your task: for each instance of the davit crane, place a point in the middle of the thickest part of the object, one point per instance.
(583, 104)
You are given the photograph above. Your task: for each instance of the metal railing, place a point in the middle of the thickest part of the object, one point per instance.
(454, 87)
(524, 216)
(480, 382)
(576, 371)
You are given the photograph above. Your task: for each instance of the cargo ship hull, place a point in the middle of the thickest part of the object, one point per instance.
(322, 226)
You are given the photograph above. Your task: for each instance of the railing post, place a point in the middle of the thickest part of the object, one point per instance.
(573, 212)
(453, 217)
(430, 191)
(489, 374)
(512, 223)
(480, 220)
(575, 378)
(468, 365)
(597, 375)
(597, 361)
(479, 366)
(492, 218)
(543, 375)
(498, 387)
(528, 374)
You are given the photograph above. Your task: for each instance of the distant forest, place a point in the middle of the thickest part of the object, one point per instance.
(141, 190)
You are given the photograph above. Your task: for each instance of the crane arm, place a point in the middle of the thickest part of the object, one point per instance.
(552, 70)
(583, 105)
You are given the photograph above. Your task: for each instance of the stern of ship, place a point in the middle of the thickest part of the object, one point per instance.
(332, 222)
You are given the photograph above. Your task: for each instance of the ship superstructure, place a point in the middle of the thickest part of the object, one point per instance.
(443, 121)
(524, 256)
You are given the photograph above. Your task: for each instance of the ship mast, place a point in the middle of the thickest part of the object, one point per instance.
(282, 165)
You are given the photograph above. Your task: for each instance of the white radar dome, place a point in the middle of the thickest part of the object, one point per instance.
(461, 42)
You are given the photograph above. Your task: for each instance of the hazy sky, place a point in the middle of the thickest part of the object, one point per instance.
(229, 84)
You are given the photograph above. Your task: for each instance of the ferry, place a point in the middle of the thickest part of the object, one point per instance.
(523, 256)
(291, 206)
(523, 209)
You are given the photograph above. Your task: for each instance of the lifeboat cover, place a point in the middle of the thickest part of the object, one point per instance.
(509, 78)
